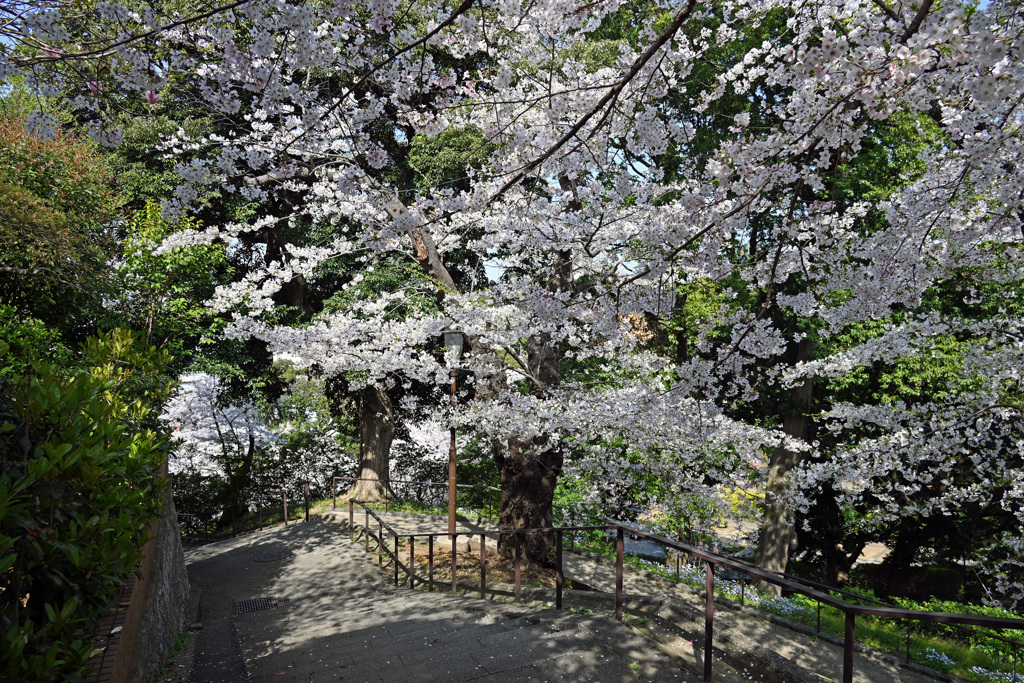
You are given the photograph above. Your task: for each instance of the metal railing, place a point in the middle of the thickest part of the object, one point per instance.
(1015, 645)
(407, 489)
(269, 509)
(712, 561)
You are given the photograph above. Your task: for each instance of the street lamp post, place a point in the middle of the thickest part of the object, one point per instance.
(453, 341)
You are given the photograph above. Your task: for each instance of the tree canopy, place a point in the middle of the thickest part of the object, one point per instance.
(612, 158)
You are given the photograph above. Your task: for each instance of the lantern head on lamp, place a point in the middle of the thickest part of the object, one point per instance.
(453, 341)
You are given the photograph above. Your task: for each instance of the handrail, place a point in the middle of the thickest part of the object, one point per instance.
(389, 481)
(711, 560)
(961, 625)
(832, 589)
(413, 481)
(279, 496)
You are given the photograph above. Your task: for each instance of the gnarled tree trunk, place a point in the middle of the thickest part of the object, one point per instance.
(529, 473)
(778, 531)
(376, 432)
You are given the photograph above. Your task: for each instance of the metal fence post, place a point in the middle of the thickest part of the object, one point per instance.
(380, 544)
(483, 565)
(455, 564)
(396, 560)
(412, 560)
(284, 502)
(619, 545)
(709, 619)
(334, 493)
(305, 493)
(559, 578)
(848, 648)
(430, 562)
(515, 535)
(351, 520)
(366, 526)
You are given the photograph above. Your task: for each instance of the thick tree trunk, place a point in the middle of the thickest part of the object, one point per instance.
(376, 432)
(529, 474)
(529, 468)
(778, 532)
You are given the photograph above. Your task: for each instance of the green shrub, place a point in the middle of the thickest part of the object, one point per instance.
(81, 451)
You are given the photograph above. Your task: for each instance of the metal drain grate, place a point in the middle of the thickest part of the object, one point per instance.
(257, 605)
(260, 604)
(273, 556)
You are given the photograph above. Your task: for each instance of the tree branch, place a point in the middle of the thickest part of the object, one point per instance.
(609, 99)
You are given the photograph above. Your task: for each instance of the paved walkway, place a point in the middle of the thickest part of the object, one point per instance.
(301, 603)
(677, 618)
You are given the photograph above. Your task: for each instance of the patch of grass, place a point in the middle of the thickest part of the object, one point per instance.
(633, 620)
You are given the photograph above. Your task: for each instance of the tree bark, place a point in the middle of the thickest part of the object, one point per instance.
(376, 432)
(778, 531)
(529, 474)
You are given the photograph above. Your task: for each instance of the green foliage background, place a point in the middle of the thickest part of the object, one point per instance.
(81, 450)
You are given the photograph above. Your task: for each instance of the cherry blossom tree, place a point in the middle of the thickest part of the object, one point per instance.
(219, 441)
(232, 453)
(580, 226)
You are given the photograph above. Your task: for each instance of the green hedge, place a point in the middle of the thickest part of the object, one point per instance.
(81, 450)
